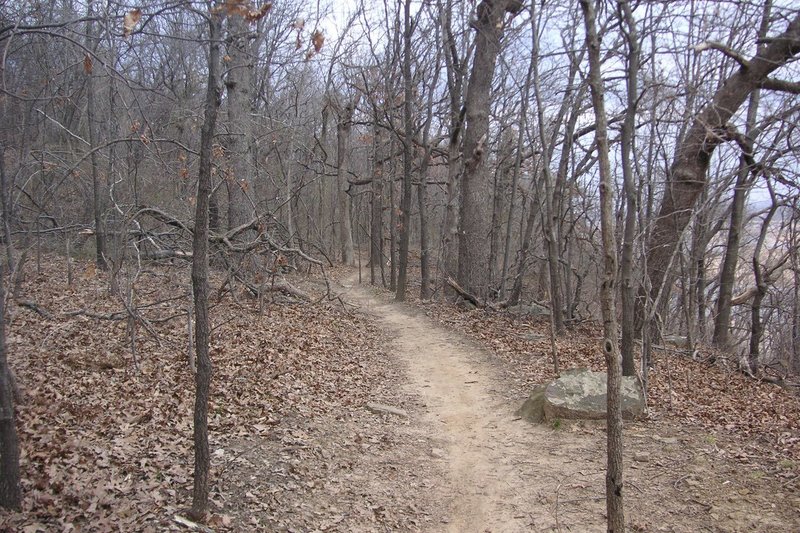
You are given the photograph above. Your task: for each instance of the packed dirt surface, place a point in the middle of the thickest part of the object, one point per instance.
(505, 475)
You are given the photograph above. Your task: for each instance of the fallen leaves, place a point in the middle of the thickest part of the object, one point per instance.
(106, 446)
(686, 391)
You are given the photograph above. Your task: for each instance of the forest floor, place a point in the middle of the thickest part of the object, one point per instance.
(106, 437)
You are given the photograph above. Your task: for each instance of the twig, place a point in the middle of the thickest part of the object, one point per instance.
(192, 525)
(558, 492)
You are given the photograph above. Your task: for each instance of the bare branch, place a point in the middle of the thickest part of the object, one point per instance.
(712, 45)
(774, 84)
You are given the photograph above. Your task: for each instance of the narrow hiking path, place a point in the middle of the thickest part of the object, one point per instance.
(502, 474)
(499, 476)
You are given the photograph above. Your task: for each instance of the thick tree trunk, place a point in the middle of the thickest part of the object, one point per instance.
(473, 260)
(408, 154)
(687, 176)
(628, 290)
(448, 260)
(10, 492)
(343, 129)
(614, 478)
(202, 457)
(238, 83)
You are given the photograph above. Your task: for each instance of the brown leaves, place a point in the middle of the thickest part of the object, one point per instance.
(317, 39)
(244, 9)
(681, 390)
(130, 21)
(107, 447)
(87, 63)
(317, 42)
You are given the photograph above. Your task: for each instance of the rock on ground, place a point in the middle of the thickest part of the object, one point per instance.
(580, 394)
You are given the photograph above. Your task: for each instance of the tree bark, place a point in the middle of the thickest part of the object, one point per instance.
(473, 260)
(376, 218)
(10, 491)
(91, 118)
(761, 286)
(408, 154)
(448, 261)
(200, 289)
(343, 129)
(628, 291)
(614, 479)
(239, 124)
(727, 277)
(687, 176)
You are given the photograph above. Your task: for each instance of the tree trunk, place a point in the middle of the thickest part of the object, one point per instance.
(760, 275)
(448, 261)
(202, 457)
(727, 277)
(392, 225)
(343, 129)
(628, 291)
(424, 230)
(522, 262)
(10, 492)
(614, 479)
(473, 260)
(238, 84)
(687, 176)
(515, 175)
(408, 154)
(91, 118)
(7, 202)
(376, 218)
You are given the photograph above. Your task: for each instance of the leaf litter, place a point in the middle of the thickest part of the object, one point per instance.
(107, 443)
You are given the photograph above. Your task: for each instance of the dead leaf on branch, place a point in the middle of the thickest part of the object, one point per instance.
(244, 9)
(87, 63)
(318, 40)
(130, 21)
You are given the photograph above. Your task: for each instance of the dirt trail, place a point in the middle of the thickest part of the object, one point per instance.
(502, 474)
(499, 477)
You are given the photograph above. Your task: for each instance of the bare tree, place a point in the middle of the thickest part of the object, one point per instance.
(627, 287)
(202, 457)
(10, 491)
(744, 180)
(473, 260)
(614, 479)
(408, 154)
(91, 117)
(688, 173)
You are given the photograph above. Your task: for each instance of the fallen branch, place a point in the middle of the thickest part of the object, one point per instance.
(481, 304)
(33, 306)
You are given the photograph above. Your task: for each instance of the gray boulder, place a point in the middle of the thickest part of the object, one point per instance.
(580, 395)
(533, 408)
(528, 310)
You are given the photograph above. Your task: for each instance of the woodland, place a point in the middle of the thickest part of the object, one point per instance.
(207, 205)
